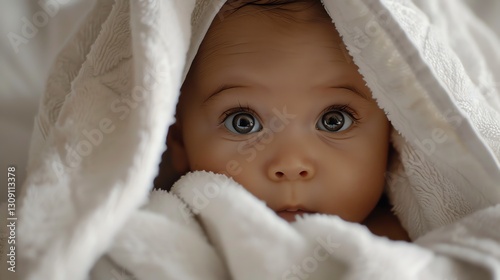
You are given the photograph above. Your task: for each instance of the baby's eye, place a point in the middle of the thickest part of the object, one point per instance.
(334, 121)
(242, 123)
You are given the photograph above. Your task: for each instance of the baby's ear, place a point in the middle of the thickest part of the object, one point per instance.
(177, 150)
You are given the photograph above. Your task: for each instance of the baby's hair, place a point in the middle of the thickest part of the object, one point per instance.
(280, 4)
(277, 7)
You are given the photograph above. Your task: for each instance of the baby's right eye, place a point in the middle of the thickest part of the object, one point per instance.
(242, 123)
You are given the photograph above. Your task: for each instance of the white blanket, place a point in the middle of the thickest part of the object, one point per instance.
(102, 125)
(210, 227)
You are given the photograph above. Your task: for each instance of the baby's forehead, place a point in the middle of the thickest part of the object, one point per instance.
(244, 26)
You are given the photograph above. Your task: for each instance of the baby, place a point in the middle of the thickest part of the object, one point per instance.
(274, 100)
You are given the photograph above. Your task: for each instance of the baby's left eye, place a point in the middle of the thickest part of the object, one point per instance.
(242, 123)
(334, 121)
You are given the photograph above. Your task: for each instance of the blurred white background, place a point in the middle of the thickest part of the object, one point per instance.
(31, 34)
(488, 11)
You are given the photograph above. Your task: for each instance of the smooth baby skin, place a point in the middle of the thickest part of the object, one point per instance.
(276, 102)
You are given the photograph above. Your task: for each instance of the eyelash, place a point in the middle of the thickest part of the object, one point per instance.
(239, 109)
(343, 108)
(336, 107)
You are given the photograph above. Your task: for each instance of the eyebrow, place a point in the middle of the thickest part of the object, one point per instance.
(224, 87)
(355, 90)
(220, 89)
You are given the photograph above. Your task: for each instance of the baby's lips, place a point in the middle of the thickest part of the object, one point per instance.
(290, 214)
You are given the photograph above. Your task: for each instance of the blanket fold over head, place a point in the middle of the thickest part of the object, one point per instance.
(103, 120)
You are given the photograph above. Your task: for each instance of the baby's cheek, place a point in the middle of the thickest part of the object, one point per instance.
(217, 157)
(362, 181)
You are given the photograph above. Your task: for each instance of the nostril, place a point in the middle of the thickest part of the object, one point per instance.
(303, 173)
(280, 174)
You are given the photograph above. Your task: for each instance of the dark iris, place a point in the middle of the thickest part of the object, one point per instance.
(333, 120)
(243, 123)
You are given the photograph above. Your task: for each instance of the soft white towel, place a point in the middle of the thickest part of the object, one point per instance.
(102, 124)
(243, 239)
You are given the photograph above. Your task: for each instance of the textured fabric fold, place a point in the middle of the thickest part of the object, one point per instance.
(102, 124)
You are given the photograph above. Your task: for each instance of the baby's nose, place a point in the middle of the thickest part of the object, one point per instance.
(291, 169)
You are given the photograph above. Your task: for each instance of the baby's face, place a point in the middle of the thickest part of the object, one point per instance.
(280, 106)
